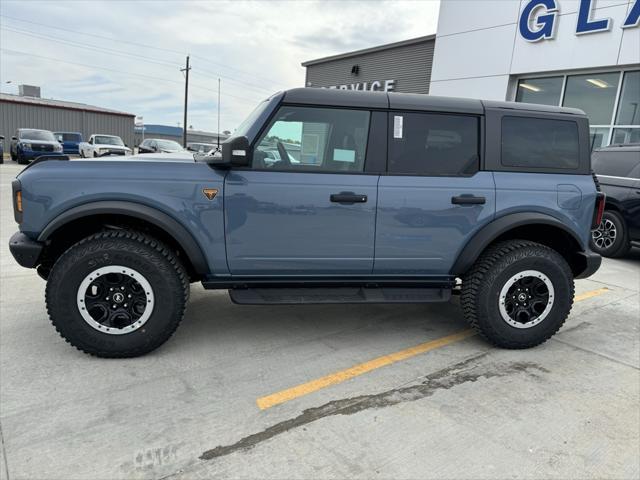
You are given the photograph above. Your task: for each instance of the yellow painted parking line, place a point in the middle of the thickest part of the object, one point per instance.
(357, 370)
(343, 375)
(591, 294)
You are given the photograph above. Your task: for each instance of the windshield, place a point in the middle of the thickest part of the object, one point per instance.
(244, 127)
(169, 145)
(43, 135)
(68, 137)
(104, 140)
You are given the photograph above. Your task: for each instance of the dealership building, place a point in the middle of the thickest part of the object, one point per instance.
(29, 110)
(574, 53)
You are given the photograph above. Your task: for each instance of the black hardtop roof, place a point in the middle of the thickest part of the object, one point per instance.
(333, 97)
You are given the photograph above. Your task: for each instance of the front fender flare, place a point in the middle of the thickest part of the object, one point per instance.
(137, 210)
(487, 234)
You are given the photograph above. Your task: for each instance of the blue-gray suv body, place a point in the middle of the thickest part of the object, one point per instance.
(323, 196)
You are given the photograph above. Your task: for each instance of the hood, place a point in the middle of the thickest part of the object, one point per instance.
(112, 147)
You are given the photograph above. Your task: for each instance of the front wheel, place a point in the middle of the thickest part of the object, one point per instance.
(518, 294)
(117, 294)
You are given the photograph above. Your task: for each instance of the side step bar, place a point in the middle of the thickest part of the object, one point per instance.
(327, 295)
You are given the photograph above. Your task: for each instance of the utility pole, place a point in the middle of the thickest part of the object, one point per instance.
(186, 97)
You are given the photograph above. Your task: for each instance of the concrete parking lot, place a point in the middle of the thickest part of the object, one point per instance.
(322, 391)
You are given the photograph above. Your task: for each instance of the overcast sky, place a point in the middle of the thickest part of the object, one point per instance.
(126, 55)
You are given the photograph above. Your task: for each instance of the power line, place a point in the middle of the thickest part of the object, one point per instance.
(121, 53)
(139, 75)
(143, 45)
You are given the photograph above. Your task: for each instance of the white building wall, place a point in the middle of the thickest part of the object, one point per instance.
(479, 48)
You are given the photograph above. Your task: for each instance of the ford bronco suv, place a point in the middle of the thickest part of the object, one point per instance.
(373, 198)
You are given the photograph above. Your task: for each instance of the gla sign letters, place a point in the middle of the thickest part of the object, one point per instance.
(543, 16)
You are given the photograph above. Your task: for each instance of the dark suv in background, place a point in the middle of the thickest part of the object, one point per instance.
(618, 170)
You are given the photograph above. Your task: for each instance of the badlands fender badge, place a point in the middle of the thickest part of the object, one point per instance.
(210, 193)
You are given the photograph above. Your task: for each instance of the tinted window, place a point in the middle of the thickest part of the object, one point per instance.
(540, 143)
(308, 139)
(68, 137)
(433, 144)
(616, 163)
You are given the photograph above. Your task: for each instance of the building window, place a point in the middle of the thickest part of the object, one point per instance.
(595, 94)
(543, 91)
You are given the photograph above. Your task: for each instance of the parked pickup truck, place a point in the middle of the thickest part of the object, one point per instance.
(103, 145)
(394, 198)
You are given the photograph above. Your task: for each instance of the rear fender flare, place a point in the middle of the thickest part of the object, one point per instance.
(487, 234)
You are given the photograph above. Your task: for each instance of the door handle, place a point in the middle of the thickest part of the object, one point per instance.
(348, 198)
(468, 200)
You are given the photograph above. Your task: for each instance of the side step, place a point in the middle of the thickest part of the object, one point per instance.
(327, 295)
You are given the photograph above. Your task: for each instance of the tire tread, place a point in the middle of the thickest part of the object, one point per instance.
(478, 276)
(78, 250)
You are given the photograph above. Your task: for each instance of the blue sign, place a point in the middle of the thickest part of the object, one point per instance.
(539, 18)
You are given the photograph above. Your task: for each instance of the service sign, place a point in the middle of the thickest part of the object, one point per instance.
(375, 86)
(539, 19)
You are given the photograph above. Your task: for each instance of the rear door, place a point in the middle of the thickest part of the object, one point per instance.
(433, 197)
(307, 206)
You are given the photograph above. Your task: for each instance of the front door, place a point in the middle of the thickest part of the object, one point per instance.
(433, 198)
(305, 207)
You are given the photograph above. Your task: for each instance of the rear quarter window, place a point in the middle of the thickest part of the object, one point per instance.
(540, 143)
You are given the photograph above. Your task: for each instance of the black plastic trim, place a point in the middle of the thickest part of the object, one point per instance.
(26, 251)
(310, 282)
(591, 262)
(481, 240)
(136, 210)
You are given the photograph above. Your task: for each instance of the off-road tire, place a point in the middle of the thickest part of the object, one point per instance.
(137, 251)
(481, 287)
(621, 244)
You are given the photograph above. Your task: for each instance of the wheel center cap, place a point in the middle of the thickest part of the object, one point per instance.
(522, 297)
(118, 297)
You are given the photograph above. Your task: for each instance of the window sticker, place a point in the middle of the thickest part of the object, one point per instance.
(397, 126)
(310, 144)
(347, 156)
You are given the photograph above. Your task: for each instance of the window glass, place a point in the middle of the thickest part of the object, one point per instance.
(69, 137)
(629, 106)
(544, 91)
(595, 93)
(626, 135)
(539, 143)
(615, 163)
(43, 135)
(598, 137)
(433, 144)
(314, 139)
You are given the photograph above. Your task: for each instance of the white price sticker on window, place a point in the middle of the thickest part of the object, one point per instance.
(397, 126)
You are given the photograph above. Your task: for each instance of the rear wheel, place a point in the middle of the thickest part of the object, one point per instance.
(117, 294)
(611, 239)
(518, 293)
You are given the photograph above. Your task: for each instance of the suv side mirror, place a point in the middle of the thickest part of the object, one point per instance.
(236, 152)
(15, 139)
